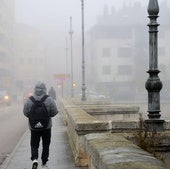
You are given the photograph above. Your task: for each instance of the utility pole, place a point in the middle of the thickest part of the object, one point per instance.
(71, 55)
(66, 49)
(83, 56)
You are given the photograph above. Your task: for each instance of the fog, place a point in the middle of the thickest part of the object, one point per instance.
(55, 12)
(41, 45)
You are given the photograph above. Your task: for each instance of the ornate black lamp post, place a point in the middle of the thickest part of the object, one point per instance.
(83, 58)
(153, 83)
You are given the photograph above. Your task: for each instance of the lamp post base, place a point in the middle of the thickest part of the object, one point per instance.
(154, 125)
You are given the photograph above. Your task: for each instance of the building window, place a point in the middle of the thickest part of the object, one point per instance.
(107, 70)
(106, 52)
(125, 70)
(124, 52)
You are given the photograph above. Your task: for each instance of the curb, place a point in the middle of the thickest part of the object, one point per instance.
(11, 155)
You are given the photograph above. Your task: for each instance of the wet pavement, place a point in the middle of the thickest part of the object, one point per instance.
(61, 156)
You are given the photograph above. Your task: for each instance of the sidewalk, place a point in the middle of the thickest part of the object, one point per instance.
(60, 153)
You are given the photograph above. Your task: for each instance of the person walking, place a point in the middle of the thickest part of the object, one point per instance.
(52, 93)
(39, 109)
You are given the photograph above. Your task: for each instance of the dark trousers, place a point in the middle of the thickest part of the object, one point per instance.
(45, 135)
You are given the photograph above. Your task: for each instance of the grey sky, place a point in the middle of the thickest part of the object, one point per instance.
(58, 11)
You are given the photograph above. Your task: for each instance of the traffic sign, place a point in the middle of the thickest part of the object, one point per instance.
(62, 76)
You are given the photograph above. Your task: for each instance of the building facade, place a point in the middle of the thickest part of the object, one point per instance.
(7, 15)
(30, 57)
(119, 51)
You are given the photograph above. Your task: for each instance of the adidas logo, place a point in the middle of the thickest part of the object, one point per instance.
(38, 125)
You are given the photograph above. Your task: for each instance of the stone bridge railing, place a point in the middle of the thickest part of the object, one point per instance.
(95, 137)
(80, 123)
(114, 151)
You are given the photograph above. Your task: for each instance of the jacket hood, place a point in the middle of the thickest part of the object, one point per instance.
(40, 89)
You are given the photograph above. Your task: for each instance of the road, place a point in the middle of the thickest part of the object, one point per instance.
(13, 125)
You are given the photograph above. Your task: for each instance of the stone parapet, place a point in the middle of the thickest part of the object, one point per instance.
(167, 125)
(109, 109)
(114, 151)
(125, 126)
(80, 123)
(112, 112)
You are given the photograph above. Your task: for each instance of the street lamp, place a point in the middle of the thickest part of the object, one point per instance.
(83, 58)
(153, 83)
(67, 90)
(71, 54)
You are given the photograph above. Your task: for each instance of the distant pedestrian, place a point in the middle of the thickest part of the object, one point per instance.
(52, 93)
(39, 109)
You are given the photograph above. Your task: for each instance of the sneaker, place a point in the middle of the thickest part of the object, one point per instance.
(45, 166)
(35, 164)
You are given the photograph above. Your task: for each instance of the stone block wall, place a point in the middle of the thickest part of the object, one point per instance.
(114, 151)
(80, 123)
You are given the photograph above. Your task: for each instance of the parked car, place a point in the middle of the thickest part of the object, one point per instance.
(5, 98)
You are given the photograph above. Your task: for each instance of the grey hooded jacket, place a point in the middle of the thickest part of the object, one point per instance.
(39, 91)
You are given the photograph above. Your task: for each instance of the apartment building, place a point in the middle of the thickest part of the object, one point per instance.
(30, 61)
(119, 50)
(22, 60)
(6, 42)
